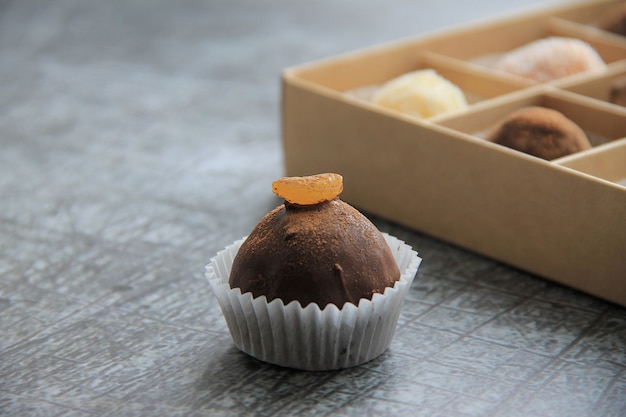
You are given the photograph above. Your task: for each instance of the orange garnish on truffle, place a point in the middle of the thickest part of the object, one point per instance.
(308, 190)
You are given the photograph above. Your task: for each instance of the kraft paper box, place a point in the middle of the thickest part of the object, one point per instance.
(564, 220)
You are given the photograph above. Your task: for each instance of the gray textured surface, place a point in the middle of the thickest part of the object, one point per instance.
(138, 138)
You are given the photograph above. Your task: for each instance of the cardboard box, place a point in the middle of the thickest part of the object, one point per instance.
(564, 220)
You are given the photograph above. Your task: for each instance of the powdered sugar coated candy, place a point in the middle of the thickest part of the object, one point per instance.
(312, 189)
(551, 58)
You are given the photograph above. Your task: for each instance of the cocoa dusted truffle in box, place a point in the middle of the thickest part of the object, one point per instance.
(541, 132)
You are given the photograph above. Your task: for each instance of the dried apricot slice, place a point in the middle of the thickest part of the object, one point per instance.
(312, 189)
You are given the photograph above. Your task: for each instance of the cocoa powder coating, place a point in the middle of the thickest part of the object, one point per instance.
(323, 253)
(539, 131)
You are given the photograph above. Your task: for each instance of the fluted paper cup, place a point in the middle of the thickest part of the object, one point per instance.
(311, 338)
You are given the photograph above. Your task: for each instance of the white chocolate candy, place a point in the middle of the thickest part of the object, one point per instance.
(423, 93)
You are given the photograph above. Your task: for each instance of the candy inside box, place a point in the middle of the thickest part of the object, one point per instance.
(564, 219)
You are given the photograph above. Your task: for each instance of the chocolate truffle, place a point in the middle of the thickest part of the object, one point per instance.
(421, 93)
(539, 131)
(551, 58)
(615, 20)
(617, 92)
(316, 253)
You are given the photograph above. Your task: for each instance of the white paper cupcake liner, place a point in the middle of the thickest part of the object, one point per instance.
(308, 337)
